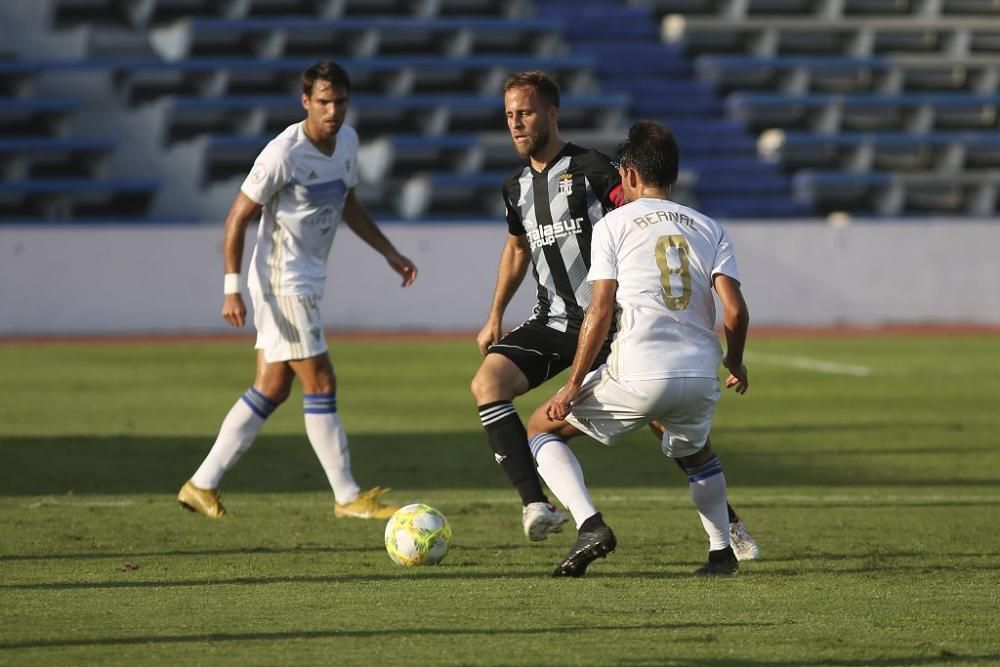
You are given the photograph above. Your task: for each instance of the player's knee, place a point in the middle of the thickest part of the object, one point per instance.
(276, 394)
(698, 457)
(320, 386)
(487, 385)
(537, 424)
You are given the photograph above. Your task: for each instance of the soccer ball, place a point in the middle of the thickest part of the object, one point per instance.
(417, 535)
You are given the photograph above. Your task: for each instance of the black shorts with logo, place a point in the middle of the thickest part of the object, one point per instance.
(542, 352)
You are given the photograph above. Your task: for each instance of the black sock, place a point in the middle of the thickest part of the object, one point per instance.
(509, 442)
(592, 523)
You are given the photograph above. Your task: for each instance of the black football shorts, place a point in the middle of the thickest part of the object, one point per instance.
(542, 352)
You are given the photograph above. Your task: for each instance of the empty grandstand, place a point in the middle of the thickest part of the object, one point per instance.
(153, 110)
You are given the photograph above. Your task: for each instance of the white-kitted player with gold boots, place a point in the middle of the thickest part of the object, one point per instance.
(302, 186)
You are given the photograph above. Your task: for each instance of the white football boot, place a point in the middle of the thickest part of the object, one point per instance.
(540, 519)
(744, 545)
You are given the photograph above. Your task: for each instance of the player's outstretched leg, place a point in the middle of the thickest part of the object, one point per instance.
(239, 428)
(744, 544)
(494, 387)
(708, 491)
(594, 540)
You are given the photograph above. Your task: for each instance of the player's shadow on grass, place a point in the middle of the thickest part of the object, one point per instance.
(275, 464)
(466, 573)
(390, 632)
(246, 551)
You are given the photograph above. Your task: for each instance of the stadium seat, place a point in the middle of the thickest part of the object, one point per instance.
(61, 199)
(352, 37)
(53, 157)
(35, 117)
(892, 194)
(376, 114)
(913, 112)
(147, 79)
(899, 151)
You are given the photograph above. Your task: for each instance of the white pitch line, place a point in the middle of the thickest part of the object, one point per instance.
(52, 502)
(807, 364)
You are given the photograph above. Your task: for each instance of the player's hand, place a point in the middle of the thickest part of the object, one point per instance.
(488, 335)
(404, 267)
(234, 310)
(560, 405)
(738, 378)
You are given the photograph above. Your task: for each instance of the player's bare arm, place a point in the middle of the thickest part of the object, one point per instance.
(243, 210)
(736, 322)
(593, 332)
(514, 260)
(357, 218)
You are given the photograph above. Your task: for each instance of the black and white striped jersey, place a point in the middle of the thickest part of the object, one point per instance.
(556, 209)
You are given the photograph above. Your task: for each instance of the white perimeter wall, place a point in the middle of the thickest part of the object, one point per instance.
(167, 279)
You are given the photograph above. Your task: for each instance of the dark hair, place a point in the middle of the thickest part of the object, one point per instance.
(544, 85)
(651, 150)
(325, 70)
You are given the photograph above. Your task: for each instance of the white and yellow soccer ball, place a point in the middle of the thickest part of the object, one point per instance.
(417, 535)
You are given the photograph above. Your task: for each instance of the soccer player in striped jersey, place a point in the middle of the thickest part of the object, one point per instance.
(656, 263)
(301, 186)
(552, 205)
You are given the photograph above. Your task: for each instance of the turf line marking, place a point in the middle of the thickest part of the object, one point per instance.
(51, 502)
(807, 364)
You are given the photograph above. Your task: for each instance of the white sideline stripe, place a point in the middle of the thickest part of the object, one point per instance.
(807, 364)
(52, 502)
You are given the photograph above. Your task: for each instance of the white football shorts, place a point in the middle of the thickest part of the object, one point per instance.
(606, 409)
(288, 327)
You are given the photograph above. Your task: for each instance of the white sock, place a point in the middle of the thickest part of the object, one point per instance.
(561, 471)
(708, 491)
(329, 441)
(237, 433)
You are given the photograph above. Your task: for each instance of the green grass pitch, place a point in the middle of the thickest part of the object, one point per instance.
(868, 467)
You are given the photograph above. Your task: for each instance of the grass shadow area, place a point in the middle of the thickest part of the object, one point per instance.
(57, 465)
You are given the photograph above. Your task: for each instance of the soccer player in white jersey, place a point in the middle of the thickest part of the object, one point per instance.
(302, 186)
(658, 262)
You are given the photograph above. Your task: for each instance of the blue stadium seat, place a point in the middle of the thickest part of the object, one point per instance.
(76, 198)
(600, 21)
(290, 36)
(842, 190)
(946, 110)
(377, 113)
(821, 73)
(35, 116)
(35, 157)
(902, 151)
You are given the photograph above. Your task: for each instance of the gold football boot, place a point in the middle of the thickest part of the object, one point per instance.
(366, 506)
(202, 501)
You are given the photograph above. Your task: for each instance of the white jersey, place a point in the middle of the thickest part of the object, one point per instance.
(664, 257)
(302, 192)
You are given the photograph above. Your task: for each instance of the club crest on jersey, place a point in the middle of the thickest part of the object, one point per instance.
(565, 183)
